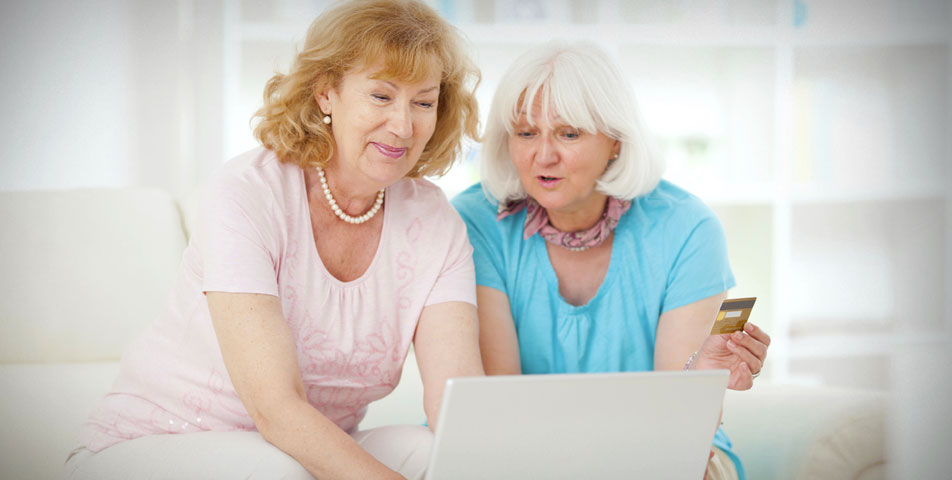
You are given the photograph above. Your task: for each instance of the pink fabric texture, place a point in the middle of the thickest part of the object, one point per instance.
(537, 221)
(351, 337)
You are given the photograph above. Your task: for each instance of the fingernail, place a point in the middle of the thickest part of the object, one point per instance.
(738, 336)
(730, 343)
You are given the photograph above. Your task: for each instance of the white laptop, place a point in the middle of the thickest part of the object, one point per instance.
(642, 425)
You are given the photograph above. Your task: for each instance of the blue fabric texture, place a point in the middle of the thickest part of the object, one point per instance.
(669, 250)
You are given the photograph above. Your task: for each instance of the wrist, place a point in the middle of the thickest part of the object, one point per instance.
(692, 361)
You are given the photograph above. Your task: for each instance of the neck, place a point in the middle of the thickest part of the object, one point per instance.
(353, 198)
(581, 218)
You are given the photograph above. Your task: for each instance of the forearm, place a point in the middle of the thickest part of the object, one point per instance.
(326, 451)
(498, 342)
(447, 346)
(681, 331)
(465, 363)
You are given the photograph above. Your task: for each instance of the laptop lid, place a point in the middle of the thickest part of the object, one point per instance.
(604, 425)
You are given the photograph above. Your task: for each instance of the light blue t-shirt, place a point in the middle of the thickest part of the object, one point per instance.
(669, 250)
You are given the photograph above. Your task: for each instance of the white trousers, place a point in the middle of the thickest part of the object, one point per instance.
(230, 455)
(721, 467)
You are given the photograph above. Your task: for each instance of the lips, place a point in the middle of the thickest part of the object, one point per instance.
(547, 181)
(388, 151)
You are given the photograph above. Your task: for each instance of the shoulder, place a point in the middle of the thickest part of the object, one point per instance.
(476, 207)
(254, 172)
(479, 211)
(419, 197)
(419, 201)
(255, 186)
(673, 208)
(417, 190)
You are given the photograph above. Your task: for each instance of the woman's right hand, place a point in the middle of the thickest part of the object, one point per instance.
(743, 353)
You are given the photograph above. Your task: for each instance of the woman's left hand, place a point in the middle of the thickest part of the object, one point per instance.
(741, 352)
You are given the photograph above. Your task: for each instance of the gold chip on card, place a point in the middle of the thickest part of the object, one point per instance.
(733, 315)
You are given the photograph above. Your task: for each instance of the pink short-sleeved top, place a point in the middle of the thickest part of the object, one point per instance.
(352, 337)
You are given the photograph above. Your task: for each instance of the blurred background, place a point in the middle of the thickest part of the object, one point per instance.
(819, 130)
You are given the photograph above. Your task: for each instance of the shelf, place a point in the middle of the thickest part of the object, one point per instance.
(868, 265)
(623, 35)
(873, 194)
(287, 32)
(907, 37)
(867, 370)
(686, 15)
(873, 21)
(858, 344)
(532, 34)
(728, 194)
(866, 118)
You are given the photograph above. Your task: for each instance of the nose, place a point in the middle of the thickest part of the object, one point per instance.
(401, 121)
(546, 153)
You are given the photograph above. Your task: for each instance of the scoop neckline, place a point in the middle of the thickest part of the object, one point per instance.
(384, 230)
(537, 243)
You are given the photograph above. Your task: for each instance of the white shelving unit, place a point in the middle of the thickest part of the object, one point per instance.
(818, 130)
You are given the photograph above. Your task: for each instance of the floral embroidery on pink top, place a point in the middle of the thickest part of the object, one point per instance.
(351, 337)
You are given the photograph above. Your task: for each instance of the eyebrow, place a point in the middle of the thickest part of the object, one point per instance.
(558, 122)
(427, 90)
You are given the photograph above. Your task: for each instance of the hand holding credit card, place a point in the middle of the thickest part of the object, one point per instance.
(733, 315)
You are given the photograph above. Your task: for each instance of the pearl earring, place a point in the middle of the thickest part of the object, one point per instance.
(327, 119)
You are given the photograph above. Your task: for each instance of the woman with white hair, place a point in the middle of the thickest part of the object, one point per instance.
(586, 261)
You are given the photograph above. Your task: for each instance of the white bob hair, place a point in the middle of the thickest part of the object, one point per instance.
(587, 91)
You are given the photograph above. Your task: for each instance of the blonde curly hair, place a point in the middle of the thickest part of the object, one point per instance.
(410, 40)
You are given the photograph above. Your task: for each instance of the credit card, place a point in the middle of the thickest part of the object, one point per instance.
(733, 315)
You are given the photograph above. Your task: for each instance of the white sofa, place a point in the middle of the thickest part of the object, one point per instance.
(84, 271)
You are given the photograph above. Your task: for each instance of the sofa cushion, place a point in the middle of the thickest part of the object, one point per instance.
(796, 432)
(84, 271)
(42, 409)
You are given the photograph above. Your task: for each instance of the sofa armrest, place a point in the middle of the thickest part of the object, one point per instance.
(797, 432)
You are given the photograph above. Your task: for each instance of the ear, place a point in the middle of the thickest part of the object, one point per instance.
(616, 148)
(322, 95)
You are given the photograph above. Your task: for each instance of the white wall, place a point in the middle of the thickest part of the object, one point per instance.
(67, 82)
(108, 93)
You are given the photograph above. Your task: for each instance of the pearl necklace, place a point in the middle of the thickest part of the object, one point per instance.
(340, 213)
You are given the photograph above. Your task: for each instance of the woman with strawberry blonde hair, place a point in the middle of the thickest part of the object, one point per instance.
(319, 259)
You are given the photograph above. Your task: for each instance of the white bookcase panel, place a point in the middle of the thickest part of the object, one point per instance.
(258, 62)
(749, 230)
(731, 12)
(859, 371)
(868, 267)
(282, 11)
(711, 111)
(839, 20)
(871, 118)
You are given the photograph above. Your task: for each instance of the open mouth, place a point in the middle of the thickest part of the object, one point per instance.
(547, 181)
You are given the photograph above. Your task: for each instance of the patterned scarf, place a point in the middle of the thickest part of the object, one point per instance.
(537, 221)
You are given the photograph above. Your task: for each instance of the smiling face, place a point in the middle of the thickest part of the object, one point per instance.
(559, 165)
(380, 126)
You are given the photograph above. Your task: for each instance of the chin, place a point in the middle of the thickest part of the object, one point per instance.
(389, 171)
(548, 200)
